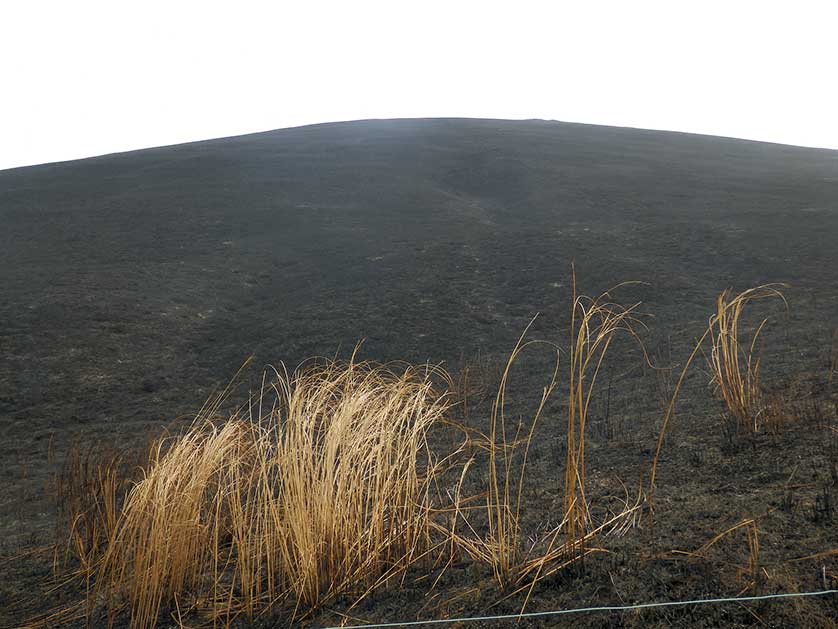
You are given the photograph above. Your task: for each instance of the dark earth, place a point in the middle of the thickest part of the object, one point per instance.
(132, 285)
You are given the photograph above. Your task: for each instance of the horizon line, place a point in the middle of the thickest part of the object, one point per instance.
(4, 169)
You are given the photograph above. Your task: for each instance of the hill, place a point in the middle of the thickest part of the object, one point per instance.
(134, 283)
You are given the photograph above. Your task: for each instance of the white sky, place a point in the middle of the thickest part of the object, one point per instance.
(81, 78)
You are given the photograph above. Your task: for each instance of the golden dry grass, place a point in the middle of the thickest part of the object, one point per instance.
(322, 485)
(733, 366)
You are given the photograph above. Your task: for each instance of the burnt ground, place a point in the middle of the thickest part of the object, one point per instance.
(134, 284)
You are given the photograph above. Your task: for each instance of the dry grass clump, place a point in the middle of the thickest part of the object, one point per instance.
(734, 367)
(518, 566)
(321, 486)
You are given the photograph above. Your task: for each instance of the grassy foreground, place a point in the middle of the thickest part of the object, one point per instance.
(343, 478)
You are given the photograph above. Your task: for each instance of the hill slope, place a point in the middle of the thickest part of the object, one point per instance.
(132, 283)
(423, 236)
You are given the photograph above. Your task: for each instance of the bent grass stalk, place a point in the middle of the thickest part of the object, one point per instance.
(752, 570)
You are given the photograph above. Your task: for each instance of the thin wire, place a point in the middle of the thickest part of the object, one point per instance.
(607, 608)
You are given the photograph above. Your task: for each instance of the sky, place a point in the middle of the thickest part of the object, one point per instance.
(87, 78)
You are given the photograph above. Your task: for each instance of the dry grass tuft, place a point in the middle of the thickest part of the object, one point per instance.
(738, 388)
(734, 367)
(321, 486)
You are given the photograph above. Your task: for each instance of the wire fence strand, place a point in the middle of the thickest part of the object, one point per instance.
(580, 610)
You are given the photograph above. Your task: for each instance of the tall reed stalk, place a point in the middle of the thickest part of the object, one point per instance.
(594, 325)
